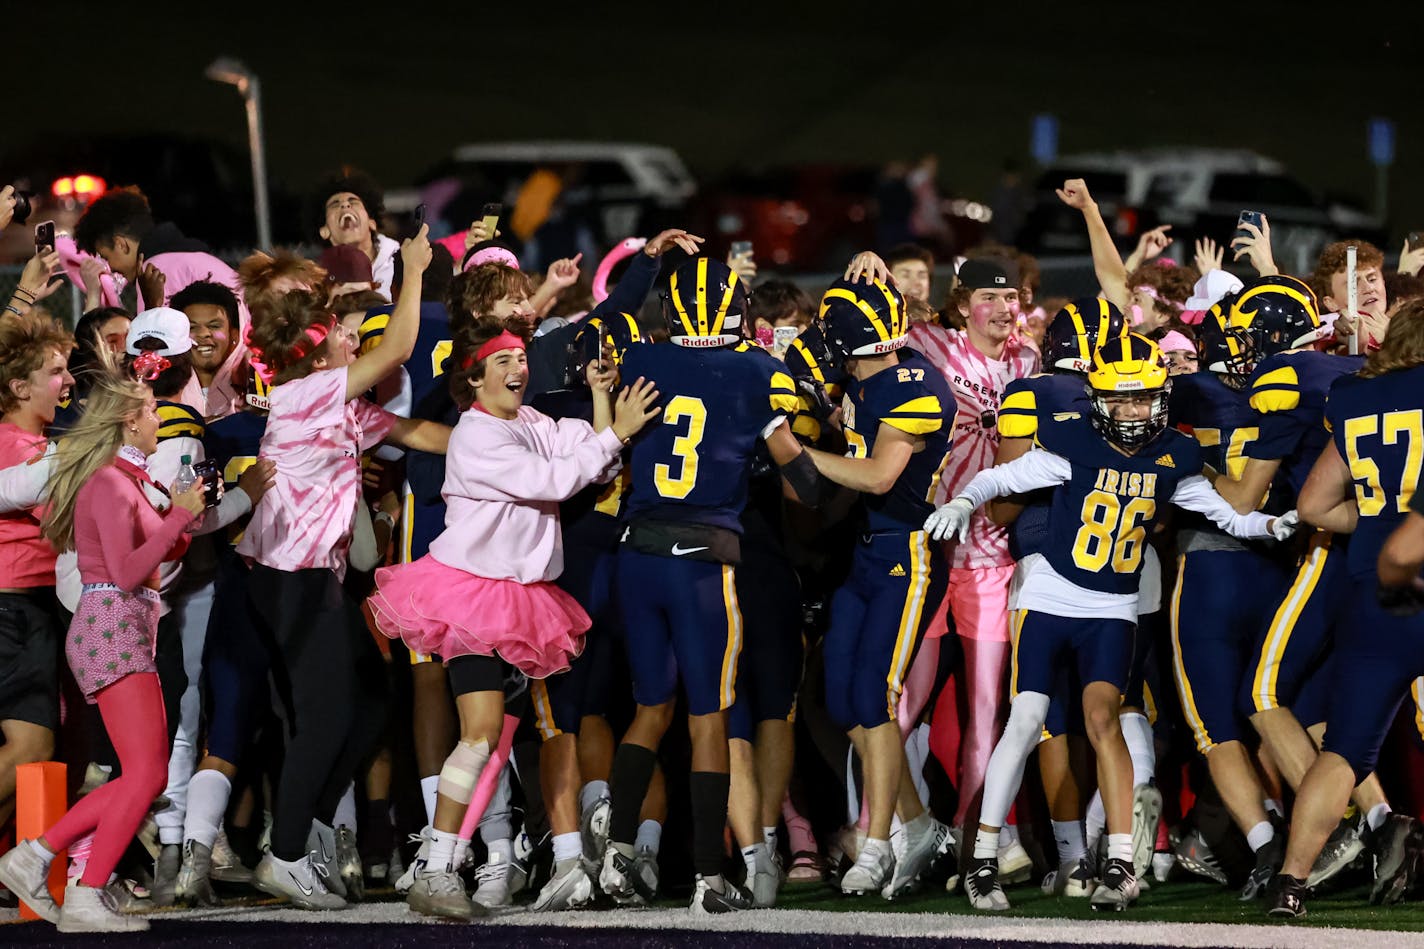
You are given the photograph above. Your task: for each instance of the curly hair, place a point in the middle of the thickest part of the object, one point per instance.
(474, 293)
(357, 182)
(211, 293)
(26, 343)
(468, 339)
(775, 300)
(1332, 260)
(123, 211)
(280, 337)
(1403, 344)
(260, 273)
(1176, 284)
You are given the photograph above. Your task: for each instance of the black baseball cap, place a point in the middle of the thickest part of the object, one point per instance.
(988, 273)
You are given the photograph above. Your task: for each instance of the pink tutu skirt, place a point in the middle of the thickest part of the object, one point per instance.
(439, 610)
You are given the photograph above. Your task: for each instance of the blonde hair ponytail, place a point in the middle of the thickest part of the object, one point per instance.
(88, 446)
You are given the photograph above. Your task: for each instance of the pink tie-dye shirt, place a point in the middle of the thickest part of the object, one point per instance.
(978, 383)
(316, 437)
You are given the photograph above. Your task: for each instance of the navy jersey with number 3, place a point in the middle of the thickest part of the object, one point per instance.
(693, 466)
(913, 398)
(1102, 516)
(1377, 425)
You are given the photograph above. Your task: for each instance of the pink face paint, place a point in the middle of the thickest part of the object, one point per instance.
(982, 312)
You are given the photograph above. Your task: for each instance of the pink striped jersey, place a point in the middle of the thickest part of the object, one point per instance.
(315, 437)
(978, 384)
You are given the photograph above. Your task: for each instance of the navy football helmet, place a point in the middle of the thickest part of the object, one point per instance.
(1122, 367)
(1077, 330)
(596, 334)
(863, 319)
(705, 304)
(1268, 315)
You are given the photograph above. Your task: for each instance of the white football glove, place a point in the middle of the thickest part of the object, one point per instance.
(950, 519)
(1285, 525)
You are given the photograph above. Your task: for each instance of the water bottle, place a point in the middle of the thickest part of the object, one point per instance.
(187, 477)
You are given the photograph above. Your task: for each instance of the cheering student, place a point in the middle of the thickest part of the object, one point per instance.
(122, 525)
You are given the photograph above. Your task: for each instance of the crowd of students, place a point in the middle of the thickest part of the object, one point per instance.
(805, 581)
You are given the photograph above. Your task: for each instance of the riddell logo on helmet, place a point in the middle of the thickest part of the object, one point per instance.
(888, 347)
(699, 342)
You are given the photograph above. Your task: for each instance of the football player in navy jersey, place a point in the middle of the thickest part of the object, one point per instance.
(1113, 473)
(1363, 485)
(1069, 341)
(675, 567)
(1231, 588)
(898, 422)
(1287, 678)
(569, 707)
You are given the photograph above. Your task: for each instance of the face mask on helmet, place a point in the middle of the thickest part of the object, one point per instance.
(705, 304)
(1127, 389)
(601, 338)
(863, 319)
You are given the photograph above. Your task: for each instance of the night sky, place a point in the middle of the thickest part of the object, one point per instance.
(393, 88)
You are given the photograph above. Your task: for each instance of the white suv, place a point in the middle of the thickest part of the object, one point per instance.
(1200, 192)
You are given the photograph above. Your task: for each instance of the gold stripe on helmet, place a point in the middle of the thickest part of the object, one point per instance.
(726, 302)
(702, 297)
(842, 293)
(1285, 288)
(677, 305)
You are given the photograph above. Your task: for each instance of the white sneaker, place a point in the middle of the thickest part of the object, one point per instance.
(981, 885)
(707, 900)
(227, 867)
(765, 882)
(871, 872)
(1162, 863)
(1146, 812)
(569, 888)
(920, 851)
(300, 881)
(27, 876)
(441, 893)
(1073, 879)
(321, 842)
(89, 909)
(593, 829)
(1015, 865)
(407, 878)
(492, 883)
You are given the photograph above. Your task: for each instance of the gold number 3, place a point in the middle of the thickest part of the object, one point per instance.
(684, 447)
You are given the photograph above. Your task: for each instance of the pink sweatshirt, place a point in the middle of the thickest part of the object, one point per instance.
(978, 384)
(503, 484)
(224, 396)
(118, 535)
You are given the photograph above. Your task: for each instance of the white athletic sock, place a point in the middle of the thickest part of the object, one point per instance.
(754, 856)
(442, 850)
(1274, 806)
(208, 794)
(567, 846)
(428, 795)
(1068, 834)
(345, 815)
(916, 750)
(1120, 847)
(1260, 835)
(1008, 835)
(1137, 732)
(1097, 820)
(41, 851)
(852, 798)
(1377, 816)
(1005, 772)
(650, 836)
(590, 794)
(768, 837)
(986, 844)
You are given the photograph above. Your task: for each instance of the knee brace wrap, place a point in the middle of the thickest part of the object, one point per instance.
(462, 769)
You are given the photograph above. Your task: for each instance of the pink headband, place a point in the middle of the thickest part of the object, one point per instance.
(1174, 341)
(505, 340)
(492, 255)
(1147, 290)
(315, 336)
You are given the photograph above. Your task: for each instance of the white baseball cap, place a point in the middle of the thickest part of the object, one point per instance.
(163, 323)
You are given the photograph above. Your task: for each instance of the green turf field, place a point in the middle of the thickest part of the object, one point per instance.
(1179, 900)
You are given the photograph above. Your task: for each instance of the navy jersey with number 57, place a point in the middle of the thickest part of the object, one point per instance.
(692, 466)
(913, 398)
(1377, 425)
(1102, 516)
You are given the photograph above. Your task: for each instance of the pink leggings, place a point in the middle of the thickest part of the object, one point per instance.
(975, 709)
(132, 709)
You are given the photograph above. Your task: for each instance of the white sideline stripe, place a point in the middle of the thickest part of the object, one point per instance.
(1115, 931)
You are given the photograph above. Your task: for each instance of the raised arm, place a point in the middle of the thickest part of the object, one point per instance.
(398, 341)
(1112, 275)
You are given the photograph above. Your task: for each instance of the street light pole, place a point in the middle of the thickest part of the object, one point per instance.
(234, 73)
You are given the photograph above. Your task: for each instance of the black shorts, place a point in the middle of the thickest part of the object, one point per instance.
(29, 657)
